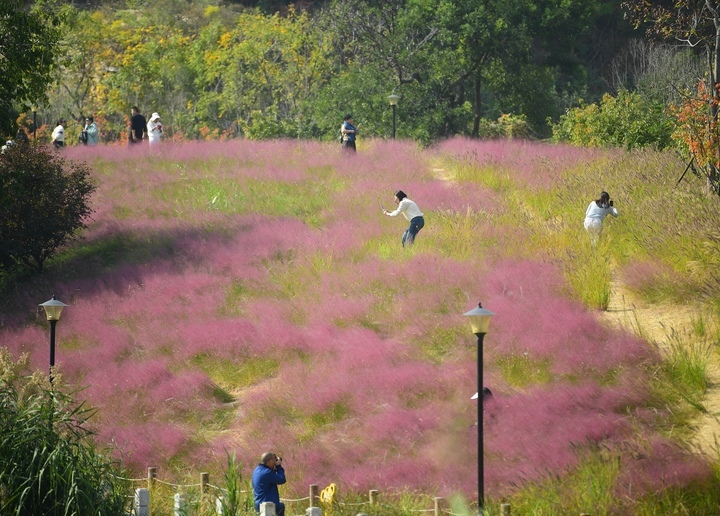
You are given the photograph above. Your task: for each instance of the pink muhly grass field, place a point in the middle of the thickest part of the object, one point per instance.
(528, 163)
(375, 363)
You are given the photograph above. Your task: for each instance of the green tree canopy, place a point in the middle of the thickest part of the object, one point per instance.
(28, 37)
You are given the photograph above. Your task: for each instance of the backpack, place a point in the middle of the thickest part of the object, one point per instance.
(83, 136)
(341, 137)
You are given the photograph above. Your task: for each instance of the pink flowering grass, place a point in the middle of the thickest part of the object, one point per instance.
(527, 163)
(290, 297)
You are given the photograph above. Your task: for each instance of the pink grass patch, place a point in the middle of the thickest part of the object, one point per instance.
(533, 164)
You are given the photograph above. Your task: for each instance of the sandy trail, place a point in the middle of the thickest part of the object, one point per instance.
(662, 325)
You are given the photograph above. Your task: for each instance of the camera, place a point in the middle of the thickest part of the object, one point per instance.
(612, 203)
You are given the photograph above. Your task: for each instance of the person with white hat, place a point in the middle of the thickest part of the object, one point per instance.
(154, 129)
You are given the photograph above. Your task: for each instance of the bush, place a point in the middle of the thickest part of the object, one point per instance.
(628, 120)
(43, 201)
(48, 465)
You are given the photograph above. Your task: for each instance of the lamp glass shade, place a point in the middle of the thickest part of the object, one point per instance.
(53, 308)
(479, 319)
(394, 99)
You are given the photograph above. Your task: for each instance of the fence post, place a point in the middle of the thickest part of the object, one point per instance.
(142, 502)
(181, 506)
(151, 478)
(438, 505)
(505, 509)
(204, 481)
(267, 509)
(152, 473)
(373, 496)
(313, 511)
(313, 494)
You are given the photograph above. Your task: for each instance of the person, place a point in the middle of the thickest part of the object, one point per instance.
(90, 132)
(154, 129)
(21, 136)
(138, 126)
(411, 212)
(349, 133)
(266, 478)
(58, 134)
(596, 213)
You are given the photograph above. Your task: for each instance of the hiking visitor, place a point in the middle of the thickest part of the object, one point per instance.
(138, 126)
(90, 134)
(58, 134)
(596, 212)
(265, 480)
(411, 212)
(154, 129)
(349, 133)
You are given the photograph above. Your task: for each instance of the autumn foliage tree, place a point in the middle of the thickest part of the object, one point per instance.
(695, 23)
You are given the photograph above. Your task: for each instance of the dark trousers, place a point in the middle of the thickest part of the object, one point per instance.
(416, 224)
(349, 146)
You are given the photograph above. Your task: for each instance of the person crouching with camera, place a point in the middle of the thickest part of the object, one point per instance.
(266, 478)
(596, 213)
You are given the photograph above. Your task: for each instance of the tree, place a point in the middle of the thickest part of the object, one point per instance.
(43, 201)
(48, 464)
(28, 37)
(694, 23)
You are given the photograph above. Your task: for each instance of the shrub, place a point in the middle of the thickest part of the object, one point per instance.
(43, 200)
(48, 465)
(628, 120)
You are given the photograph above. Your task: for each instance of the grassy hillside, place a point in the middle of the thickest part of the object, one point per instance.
(245, 296)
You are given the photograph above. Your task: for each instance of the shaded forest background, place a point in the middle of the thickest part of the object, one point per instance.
(274, 69)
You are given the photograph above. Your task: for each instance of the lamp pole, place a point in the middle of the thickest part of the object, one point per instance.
(480, 321)
(393, 102)
(34, 124)
(53, 308)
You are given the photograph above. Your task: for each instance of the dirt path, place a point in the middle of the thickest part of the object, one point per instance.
(663, 325)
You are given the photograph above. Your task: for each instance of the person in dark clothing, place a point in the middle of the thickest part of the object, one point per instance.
(265, 480)
(138, 126)
(349, 133)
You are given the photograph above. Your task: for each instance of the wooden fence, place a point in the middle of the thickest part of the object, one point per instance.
(316, 499)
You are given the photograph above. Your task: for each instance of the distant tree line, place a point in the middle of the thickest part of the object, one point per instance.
(231, 69)
(597, 72)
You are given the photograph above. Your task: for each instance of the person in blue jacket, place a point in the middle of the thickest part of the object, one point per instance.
(266, 478)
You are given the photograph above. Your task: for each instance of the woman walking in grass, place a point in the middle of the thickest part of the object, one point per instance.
(596, 213)
(411, 212)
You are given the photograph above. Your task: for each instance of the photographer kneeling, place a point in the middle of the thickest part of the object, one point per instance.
(596, 213)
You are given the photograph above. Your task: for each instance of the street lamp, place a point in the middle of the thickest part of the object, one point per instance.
(479, 322)
(393, 102)
(34, 110)
(53, 308)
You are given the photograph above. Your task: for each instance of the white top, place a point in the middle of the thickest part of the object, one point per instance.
(596, 212)
(408, 208)
(58, 134)
(154, 129)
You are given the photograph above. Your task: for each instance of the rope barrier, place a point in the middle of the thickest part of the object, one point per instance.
(422, 510)
(295, 499)
(128, 479)
(176, 485)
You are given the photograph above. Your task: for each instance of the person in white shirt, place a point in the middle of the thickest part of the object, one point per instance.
(58, 134)
(154, 129)
(411, 212)
(596, 213)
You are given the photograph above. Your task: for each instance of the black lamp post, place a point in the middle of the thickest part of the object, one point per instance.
(53, 308)
(480, 321)
(393, 102)
(34, 123)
